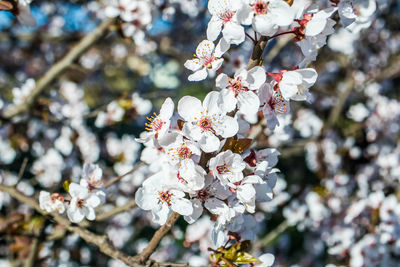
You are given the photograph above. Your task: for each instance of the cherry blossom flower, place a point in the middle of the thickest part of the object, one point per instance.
(162, 198)
(205, 122)
(158, 125)
(114, 113)
(211, 196)
(228, 168)
(294, 84)
(266, 15)
(239, 90)
(91, 179)
(356, 15)
(312, 33)
(204, 61)
(178, 148)
(51, 203)
(224, 17)
(125, 9)
(82, 203)
(272, 102)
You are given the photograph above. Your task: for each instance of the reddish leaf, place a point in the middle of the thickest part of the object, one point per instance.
(4, 5)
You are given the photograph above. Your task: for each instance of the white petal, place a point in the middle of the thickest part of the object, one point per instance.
(214, 28)
(230, 127)
(75, 215)
(198, 75)
(182, 206)
(216, 64)
(282, 13)
(248, 103)
(245, 15)
(197, 211)
(233, 33)
(193, 64)
(112, 11)
(221, 48)
(264, 24)
(93, 201)
(160, 216)
(222, 81)
(246, 192)
(145, 200)
(229, 100)
(76, 190)
(209, 143)
(205, 49)
(167, 109)
(189, 108)
(211, 103)
(91, 216)
(256, 77)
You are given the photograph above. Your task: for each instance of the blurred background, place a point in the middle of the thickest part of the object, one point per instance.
(337, 197)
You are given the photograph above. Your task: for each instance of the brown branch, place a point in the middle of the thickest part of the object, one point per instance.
(101, 241)
(30, 261)
(21, 170)
(117, 178)
(106, 215)
(58, 68)
(157, 237)
(256, 55)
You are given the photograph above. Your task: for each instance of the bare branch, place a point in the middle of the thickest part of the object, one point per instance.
(101, 241)
(58, 68)
(21, 170)
(106, 215)
(157, 237)
(117, 178)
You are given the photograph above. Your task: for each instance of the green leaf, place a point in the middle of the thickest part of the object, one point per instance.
(244, 257)
(66, 185)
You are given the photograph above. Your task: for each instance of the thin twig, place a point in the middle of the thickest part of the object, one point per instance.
(101, 241)
(22, 169)
(106, 215)
(30, 261)
(157, 237)
(117, 178)
(272, 235)
(58, 68)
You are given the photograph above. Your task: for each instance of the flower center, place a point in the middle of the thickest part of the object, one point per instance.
(222, 169)
(80, 203)
(203, 195)
(208, 62)
(280, 104)
(165, 196)
(155, 123)
(56, 196)
(205, 124)
(236, 86)
(184, 152)
(93, 183)
(227, 16)
(260, 7)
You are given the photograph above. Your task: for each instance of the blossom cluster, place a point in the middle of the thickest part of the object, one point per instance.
(84, 197)
(214, 161)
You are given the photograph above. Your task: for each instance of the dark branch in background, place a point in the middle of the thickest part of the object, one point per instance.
(58, 68)
(101, 241)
